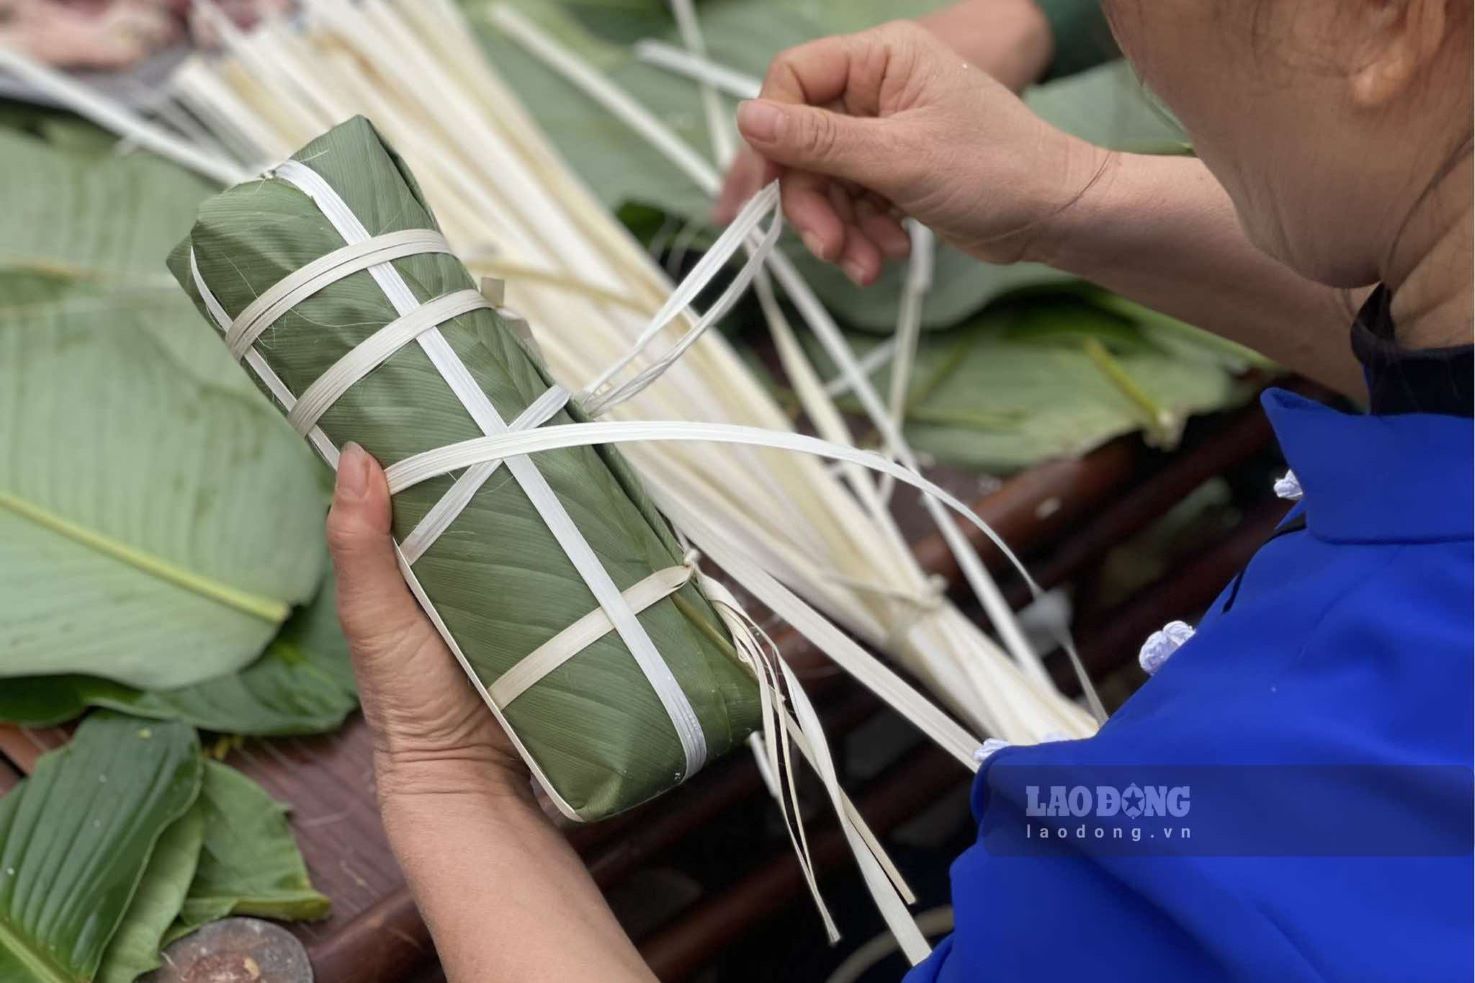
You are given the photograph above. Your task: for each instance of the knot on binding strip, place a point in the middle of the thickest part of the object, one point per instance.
(919, 606)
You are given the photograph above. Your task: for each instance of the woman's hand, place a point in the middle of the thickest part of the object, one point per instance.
(863, 126)
(432, 733)
(1008, 39)
(505, 896)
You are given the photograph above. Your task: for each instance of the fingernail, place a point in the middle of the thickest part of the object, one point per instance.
(856, 273)
(760, 120)
(814, 245)
(353, 471)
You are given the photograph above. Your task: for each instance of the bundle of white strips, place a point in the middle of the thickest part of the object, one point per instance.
(749, 492)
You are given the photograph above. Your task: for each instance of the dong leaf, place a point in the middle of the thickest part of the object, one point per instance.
(1055, 377)
(76, 840)
(301, 684)
(157, 521)
(249, 864)
(134, 949)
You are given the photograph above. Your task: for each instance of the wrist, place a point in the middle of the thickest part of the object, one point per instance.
(406, 776)
(1083, 204)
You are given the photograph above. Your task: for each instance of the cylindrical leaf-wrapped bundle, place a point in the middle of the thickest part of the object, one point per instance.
(558, 583)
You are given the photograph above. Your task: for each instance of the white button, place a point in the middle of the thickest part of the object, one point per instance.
(1162, 644)
(988, 747)
(1288, 487)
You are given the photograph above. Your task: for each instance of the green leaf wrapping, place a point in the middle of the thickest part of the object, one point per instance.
(76, 838)
(500, 581)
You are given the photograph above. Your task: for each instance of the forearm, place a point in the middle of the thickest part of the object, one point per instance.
(1162, 231)
(1009, 39)
(505, 896)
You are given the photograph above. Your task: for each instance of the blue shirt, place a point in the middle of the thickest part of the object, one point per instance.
(1346, 653)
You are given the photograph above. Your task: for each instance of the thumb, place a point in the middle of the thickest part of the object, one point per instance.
(817, 140)
(373, 602)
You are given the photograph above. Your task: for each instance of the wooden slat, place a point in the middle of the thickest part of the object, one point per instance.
(9, 775)
(21, 746)
(329, 783)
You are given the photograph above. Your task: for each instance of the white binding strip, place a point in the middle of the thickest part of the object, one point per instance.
(869, 671)
(625, 108)
(779, 688)
(322, 272)
(908, 329)
(374, 350)
(683, 718)
(451, 504)
(733, 238)
(432, 463)
(868, 364)
(422, 467)
(257, 364)
(581, 634)
(698, 68)
(889, 900)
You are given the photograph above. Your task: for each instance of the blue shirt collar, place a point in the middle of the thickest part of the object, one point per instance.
(1378, 479)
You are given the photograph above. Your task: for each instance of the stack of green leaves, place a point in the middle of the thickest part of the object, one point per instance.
(1053, 376)
(160, 528)
(594, 727)
(127, 838)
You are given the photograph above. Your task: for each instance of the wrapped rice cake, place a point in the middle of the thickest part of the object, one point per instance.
(564, 593)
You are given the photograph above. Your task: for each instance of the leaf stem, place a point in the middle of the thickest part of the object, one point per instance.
(265, 608)
(1163, 426)
(30, 956)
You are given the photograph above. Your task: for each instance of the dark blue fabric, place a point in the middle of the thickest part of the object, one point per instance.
(1349, 643)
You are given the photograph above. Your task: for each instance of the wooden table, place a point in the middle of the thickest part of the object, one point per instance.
(1064, 515)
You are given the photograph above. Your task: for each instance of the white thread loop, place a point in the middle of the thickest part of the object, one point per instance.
(735, 237)
(1288, 487)
(989, 748)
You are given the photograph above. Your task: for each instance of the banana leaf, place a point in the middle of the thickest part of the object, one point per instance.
(594, 727)
(157, 523)
(301, 684)
(126, 838)
(76, 840)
